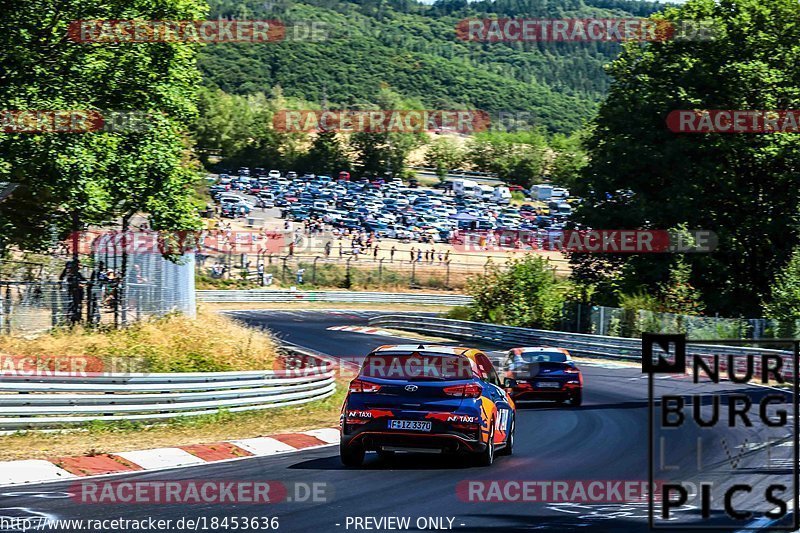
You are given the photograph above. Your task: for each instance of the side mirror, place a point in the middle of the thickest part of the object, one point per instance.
(510, 383)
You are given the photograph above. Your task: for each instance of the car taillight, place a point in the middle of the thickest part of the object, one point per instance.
(358, 385)
(470, 390)
(571, 370)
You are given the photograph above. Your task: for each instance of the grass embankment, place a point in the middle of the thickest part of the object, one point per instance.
(209, 343)
(174, 343)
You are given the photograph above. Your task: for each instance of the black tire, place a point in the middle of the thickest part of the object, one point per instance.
(508, 449)
(486, 457)
(351, 455)
(577, 400)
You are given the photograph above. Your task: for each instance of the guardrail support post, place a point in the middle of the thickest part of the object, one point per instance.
(8, 310)
(2, 316)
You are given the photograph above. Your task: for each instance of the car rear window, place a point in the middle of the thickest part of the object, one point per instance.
(416, 366)
(544, 357)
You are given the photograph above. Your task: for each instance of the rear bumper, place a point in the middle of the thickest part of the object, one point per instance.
(449, 431)
(527, 392)
(446, 442)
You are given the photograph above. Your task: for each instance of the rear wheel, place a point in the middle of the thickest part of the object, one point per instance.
(508, 449)
(486, 457)
(577, 400)
(351, 455)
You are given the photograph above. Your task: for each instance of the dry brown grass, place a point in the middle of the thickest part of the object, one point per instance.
(174, 343)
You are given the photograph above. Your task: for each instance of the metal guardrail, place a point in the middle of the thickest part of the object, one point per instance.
(579, 344)
(283, 296)
(61, 400)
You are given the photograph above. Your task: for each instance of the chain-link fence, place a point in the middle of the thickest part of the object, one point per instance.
(105, 288)
(616, 322)
(432, 270)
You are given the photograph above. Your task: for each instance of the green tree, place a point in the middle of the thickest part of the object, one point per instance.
(380, 152)
(444, 154)
(679, 295)
(525, 293)
(568, 160)
(327, 154)
(242, 128)
(71, 180)
(743, 187)
(784, 304)
(516, 157)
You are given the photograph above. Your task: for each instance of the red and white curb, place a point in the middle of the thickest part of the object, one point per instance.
(62, 468)
(360, 329)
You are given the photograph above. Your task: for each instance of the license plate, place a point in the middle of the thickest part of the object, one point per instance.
(548, 385)
(413, 425)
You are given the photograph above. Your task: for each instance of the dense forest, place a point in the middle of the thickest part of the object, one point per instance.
(413, 49)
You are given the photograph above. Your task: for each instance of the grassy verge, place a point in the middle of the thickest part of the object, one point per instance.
(174, 343)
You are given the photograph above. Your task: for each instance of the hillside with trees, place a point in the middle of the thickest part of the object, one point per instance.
(413, 49)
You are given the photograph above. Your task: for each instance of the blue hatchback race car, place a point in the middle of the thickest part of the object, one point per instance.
(427, 399)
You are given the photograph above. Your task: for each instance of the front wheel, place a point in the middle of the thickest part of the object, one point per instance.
(351, 455)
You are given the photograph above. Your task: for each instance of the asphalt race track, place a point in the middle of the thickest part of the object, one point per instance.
(605, 439)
